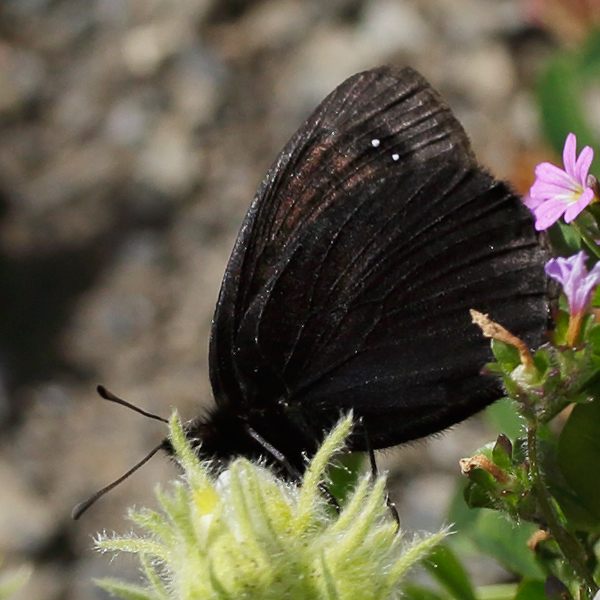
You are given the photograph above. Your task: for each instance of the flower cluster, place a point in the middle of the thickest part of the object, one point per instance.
(513, 477)
(567, 192)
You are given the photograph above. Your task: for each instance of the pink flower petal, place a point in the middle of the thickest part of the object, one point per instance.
(583, 164)
(558, 269)
(548, 213)
(532, 203)
(574, 280)
(574, 209)
(552, 174)
(544, 190)
(594, 274)
(570, 154)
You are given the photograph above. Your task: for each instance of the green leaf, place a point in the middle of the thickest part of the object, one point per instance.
(124, 590)
(506, 354)
(542, 359)
(593, 335)
(500, 591)
(507, 543)
(576, 513)
(416, 592)
(563, 238)
(502, 417)
(531, 590)
(449, 572)
(579, 454)
(459, 513)
(500, 456)
(476, 496)
(344, 474)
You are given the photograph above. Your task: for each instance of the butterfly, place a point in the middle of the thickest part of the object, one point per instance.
(350, 283)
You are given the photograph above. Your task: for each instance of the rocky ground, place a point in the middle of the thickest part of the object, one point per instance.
(133, 134)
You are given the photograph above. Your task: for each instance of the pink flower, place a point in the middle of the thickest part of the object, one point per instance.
(578, 286)
(557, 192)
(577, 283)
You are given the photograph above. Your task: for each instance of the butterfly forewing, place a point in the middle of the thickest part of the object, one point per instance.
(370, 239)
(333, 146)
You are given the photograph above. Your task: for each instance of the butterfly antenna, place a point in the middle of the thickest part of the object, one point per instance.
(104, 393)
(83, 506)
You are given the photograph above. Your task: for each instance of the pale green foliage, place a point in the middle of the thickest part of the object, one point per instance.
(249, 534)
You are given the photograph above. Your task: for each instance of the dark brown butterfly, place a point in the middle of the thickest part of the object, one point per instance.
(350, 283)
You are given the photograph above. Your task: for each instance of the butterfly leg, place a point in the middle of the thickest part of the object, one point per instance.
(276, 454)
(374, 472)
(281, 459)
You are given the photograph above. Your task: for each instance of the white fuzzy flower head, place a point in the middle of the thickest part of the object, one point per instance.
(249, 534)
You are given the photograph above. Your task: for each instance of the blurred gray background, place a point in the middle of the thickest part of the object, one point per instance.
(133, 135)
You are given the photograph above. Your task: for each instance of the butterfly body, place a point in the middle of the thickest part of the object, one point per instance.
(225, 433)
(350, 284)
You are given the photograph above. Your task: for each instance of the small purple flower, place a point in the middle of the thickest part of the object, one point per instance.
(577, 283)
(556, 191)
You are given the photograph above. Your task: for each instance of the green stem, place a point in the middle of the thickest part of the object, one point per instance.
(572, 550)
(587, 240)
